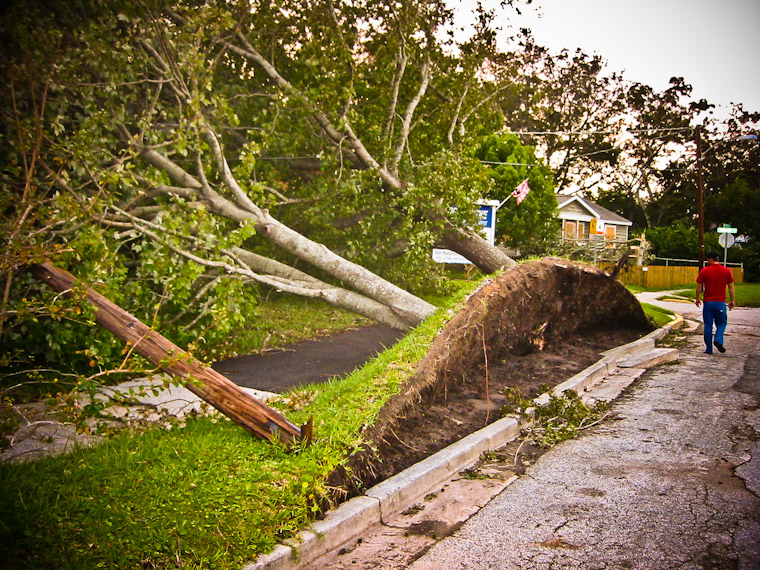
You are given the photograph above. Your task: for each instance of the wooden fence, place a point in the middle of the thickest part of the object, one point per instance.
(666, 277)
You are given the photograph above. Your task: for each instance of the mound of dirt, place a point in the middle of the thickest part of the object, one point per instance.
(535, 325)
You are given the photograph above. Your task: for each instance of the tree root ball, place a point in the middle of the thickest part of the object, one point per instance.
(536, 324)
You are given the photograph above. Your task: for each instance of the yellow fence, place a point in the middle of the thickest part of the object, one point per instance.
(665, 277)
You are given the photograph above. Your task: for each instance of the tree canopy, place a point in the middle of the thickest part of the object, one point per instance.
(181, 156)
(175, 154)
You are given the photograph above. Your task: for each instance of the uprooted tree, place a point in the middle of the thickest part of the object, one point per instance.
(181, 154)
(142, 149)
(524, 311)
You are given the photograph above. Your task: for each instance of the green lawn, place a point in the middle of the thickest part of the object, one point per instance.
(200, 495)
(658, 315)
(747, 294)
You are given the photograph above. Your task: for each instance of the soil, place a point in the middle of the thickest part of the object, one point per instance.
(448, 413)
(532, 327)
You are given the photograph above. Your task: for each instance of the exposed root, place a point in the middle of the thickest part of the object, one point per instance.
(537, 323)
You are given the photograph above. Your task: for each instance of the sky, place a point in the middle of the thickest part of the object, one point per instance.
(713, 44)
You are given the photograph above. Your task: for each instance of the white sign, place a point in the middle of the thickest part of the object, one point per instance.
(448, 256)
(727, 230)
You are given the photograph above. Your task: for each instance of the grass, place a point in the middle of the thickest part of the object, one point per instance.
(201, 495)
(659, 315)
(283, 319)
(747, 294)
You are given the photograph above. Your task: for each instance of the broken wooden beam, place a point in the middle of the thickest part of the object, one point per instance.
(208, 384)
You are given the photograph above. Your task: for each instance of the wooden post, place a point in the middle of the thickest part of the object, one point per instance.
(208, 384)
(700, 202)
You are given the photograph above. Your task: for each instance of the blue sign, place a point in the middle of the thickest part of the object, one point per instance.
(486, 215)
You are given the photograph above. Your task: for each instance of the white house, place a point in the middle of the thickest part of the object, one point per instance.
(582, 219)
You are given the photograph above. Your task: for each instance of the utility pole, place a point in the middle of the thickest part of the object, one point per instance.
(700, 200)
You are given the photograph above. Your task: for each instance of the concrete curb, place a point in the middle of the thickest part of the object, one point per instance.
(400, 491)
(396, 493)
(354, 517)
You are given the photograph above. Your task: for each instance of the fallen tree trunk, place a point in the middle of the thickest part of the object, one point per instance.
(226, 396)
(475, 248)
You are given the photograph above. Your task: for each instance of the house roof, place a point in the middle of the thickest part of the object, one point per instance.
(594, 209)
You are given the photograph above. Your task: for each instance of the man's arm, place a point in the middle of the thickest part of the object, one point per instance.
(731, 296)
(699, 294)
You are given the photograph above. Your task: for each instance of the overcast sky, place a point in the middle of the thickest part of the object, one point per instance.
(713, 44)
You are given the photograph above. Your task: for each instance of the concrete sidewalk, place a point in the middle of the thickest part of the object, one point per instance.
(672, 483)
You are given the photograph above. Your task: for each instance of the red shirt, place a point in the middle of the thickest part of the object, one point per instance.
(714, 279)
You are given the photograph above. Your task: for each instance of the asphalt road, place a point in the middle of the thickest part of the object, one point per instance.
(309, 362)
(673, 482)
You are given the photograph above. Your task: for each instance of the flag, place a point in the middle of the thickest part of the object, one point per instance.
(521, 191)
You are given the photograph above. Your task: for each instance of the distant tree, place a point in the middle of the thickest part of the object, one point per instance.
(572, 105)
(678, 241)
(732, 185)
(529, 225)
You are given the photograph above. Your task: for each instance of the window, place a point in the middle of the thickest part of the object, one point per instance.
(570, 230)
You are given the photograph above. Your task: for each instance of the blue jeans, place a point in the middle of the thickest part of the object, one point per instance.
(717, 313)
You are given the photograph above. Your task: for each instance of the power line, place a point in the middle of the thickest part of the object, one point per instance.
(602, 132)
(509, 163)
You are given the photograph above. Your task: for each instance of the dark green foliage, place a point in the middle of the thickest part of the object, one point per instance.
(731, 184)
(527, 226)
(679, 241)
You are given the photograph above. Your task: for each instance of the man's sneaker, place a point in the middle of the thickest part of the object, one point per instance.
(719, 346)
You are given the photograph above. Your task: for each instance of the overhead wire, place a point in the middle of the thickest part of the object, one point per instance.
(600, 132)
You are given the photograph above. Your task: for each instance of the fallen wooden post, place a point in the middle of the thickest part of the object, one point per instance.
(208, 384)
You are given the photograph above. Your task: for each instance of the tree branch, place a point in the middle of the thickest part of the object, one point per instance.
(457, 111)
(366, 160)
(401, 61)
(406, 122)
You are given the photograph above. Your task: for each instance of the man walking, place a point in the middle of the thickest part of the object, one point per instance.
(713, 280)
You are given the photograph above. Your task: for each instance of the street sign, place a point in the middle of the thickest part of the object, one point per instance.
(726, 240)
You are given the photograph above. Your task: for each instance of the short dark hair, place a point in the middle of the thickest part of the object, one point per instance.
(713, 255)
